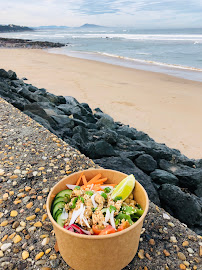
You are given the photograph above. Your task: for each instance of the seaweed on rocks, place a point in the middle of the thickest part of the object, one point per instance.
(171, 179)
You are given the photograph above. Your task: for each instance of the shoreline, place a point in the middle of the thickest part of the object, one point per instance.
(165, 107)
(184, 72)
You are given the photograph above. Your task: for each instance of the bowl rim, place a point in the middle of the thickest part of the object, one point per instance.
(94, 237)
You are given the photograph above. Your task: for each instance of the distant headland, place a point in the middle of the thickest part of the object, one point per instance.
(14, 28)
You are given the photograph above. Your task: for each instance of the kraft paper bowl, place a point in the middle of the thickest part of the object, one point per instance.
(109, 252)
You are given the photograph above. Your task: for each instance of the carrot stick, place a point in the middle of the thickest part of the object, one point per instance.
(94, 179)
(113, 185)
(78, 181)
(97, 187)
(84, 180)
(101, 181)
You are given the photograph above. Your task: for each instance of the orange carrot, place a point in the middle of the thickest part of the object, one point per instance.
(97, 187)
(101, 181)
(94, 179)
(84, 180)
(113, 185)
(78, 181)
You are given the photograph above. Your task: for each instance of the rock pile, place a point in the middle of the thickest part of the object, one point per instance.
(28, 44)
(171, 179)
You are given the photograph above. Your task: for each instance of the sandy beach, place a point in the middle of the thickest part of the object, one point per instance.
(165, 107)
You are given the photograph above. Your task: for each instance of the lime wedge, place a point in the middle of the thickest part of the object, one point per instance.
(124, 188)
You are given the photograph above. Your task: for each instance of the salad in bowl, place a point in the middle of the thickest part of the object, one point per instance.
(95, 208)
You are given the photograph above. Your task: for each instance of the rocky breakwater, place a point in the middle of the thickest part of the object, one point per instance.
(28, 44)
(171, 179)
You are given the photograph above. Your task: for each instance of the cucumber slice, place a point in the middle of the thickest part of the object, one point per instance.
(59, 211)
(61, 199)
(59, 205)
(63, 193)
(60, 221)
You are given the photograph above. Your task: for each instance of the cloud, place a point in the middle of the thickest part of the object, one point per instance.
(139, 13)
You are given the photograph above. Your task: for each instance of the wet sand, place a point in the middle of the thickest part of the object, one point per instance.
(167, 108)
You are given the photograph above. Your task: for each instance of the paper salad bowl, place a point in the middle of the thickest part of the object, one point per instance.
(98, 252)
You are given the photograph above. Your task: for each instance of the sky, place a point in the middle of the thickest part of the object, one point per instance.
(133, 13)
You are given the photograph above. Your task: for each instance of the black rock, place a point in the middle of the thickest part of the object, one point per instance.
(86, 106)
(98, 110)
(24, 92)
(188, 177)
(82, 131)
(198, 191)
(146, 163)
(18, 104)
(71, 101)
(32, 88)
(51, 111)
(132, 155)
(70, 109)
(40, 120)
(91, 126)
(198, 163)
(78, 122)
(12, 75)
(57, 100)
(125, 165)
(42, 90)
(3, 73)
(99, 149)
(34, 108)
(67, 133)
(89, 118)
(140, 135)
(106, 121)
(156, 150)
(164, 177)
(110, 136)
(186, 207)
(127, 131)
(63, 121)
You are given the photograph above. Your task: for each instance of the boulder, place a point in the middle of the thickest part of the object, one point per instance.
(188, 177)
(89, 118)
(164, 177)
(12, 75)
(146, 163)
(32, 88)
(70, 109)
(3, 73)
(125, 165)
(127, 131)
(109, 136)
(156, 150)
(86, 106)
(106, 121)
(63, 121)
(71, 101)
(67, 133)
(140, 135)
(34, 108)
(18, 104)
(91, 126)
(24, 92)
(187, 208)
(57, 100)
(99, 149)
(198, 191)
(132, 155)
(78, 122)
(40, 120)
(83, 133)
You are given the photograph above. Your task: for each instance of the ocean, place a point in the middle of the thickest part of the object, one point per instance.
(176, 52)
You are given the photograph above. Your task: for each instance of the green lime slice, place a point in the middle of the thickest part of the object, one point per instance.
(124, 188)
